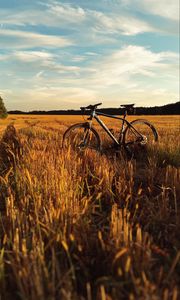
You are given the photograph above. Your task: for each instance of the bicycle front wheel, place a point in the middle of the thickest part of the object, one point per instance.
(80, 137)
(139, 133)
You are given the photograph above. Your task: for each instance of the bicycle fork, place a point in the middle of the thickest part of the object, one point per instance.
(121, 134)
(86, 134)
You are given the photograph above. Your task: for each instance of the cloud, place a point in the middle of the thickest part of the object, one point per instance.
(85, 21)
(132, 71)
(39, 74)
(25, 39)
(47, 14)
(164, 8)
(28, 56)
(78, 58)
(32, 56)
(73, 95)
(124, 25)
(131, 61)
(128, 67)
(33, 61)
(83, 50)
(51, 98)
(98, 21)
(67, 12)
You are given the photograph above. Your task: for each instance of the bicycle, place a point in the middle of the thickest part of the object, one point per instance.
(83, 136)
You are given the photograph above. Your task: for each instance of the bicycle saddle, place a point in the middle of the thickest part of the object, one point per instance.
(128, 106)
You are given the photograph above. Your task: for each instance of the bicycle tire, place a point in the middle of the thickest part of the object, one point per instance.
(148, 132)
(91, 139)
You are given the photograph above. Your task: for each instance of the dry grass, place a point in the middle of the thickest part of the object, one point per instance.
(89, 226)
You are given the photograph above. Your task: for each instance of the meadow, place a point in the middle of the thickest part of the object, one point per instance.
(87, 226)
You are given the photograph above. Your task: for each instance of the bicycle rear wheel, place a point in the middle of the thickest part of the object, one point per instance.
(139, 134)
(80, 137)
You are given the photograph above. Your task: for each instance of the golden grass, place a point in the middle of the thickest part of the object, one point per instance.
(164, 122)
(83, 227)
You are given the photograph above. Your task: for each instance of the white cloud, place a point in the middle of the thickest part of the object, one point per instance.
(47, 14)
(85, 21)
(33, 61)
(164, 8)
(131, 71)
(78, 58)
(73, 94)
(52, 97)
(25, 39)
(67, 12)
(131, 61)
(91, 53)
(32, 56)
(91, 68)
(132, 67)
(125, 25)
(36, 58)
(39, 74)
(101, 22)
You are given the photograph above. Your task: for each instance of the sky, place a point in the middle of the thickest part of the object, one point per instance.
(66, 54)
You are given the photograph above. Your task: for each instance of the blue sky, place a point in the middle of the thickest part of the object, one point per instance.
(65, 54)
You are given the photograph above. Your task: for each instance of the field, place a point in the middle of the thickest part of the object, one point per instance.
(87, 226)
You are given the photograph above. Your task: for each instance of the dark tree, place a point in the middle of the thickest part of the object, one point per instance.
(3, 111)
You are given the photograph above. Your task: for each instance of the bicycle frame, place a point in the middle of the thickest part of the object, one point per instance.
(125, 123)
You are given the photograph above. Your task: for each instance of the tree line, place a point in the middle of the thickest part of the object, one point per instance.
(169, 109)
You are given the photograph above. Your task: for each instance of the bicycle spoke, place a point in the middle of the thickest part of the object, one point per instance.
(79, 138)
(140, 134)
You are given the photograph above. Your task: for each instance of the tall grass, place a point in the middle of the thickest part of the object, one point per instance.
(88, 226)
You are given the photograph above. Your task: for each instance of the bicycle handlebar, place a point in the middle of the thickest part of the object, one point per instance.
(92, 107)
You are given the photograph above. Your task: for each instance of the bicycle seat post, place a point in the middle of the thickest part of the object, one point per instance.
(92, 113)
(125, 114)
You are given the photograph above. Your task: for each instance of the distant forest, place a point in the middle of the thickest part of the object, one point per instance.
(169, 109)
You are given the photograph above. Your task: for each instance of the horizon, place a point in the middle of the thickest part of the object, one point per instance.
(99, 108)
(86, 52)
